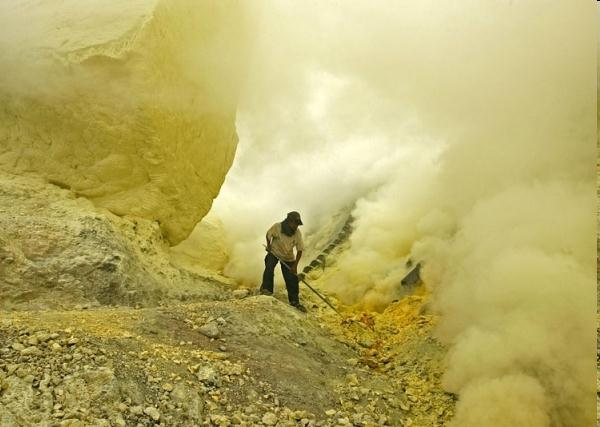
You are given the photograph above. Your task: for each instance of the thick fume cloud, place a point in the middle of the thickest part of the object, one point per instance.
(308, 154)
(516, 293)
(465, 133)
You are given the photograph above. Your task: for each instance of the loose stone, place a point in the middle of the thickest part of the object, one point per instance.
(152, 412)
(210, 330)
(269, 419)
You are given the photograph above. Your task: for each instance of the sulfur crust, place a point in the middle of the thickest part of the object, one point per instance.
(130, 105)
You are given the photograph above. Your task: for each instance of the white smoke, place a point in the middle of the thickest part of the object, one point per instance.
(465, 132)
(516, 294)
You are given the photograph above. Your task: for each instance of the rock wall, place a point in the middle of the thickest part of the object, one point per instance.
(59, 251)
(205, 251)
(129, 104)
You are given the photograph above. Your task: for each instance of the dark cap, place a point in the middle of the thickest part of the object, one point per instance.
(295, 216)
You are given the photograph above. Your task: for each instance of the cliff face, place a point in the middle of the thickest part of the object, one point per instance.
(131, 105)
(59, 251)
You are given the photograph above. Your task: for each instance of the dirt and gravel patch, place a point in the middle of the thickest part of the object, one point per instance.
(98, 328)
(249, 361)
(59, 251)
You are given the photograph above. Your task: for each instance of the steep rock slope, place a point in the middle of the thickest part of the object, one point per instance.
(60, 251)
(255, 361)
(130, 104)
(98, 328)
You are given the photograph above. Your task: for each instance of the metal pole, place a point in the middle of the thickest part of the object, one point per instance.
(325, 300)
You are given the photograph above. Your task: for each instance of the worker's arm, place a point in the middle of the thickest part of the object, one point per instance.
(295, 266)
(299, 249)
(270, 236)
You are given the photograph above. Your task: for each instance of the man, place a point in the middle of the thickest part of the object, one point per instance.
(282, 237)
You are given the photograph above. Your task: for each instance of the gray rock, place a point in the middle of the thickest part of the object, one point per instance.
(43, 336)
(31, 351)
(269, 419)
(180, 393)
(18, 346)
(220, 420)
(208, 376)
(32, 341)
(210, 330)
(22, 372)
(136, 410)
(152, 412)
(118, 421)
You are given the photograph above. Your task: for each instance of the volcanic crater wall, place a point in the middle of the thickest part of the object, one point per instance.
(129, 104)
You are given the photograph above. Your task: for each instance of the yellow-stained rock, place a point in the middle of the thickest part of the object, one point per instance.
(131, 105)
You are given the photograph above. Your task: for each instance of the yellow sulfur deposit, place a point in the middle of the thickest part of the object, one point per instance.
(130, 104)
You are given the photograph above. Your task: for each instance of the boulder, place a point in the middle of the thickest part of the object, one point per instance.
(132, 106)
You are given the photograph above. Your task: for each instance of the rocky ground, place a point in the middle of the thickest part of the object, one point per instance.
(98, 327)
(598, 370)
(249, 360)
(59, 251)
(598, 292)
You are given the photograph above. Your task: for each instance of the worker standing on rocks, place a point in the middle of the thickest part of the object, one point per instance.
(282, 238)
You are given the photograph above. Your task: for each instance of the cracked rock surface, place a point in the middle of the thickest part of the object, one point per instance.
(98, 328)
(269, 365)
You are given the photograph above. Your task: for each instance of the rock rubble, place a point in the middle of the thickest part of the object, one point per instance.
(74, 368)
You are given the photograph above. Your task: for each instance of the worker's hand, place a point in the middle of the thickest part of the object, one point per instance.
(268, 248)
(294, 268)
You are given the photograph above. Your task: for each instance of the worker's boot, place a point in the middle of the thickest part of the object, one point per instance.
(299, 307)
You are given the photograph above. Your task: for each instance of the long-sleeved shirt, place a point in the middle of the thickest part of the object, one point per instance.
(282, 246)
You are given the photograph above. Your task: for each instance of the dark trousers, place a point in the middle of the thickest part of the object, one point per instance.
(291, 280)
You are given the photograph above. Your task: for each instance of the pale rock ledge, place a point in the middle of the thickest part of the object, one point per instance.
(129, 104)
